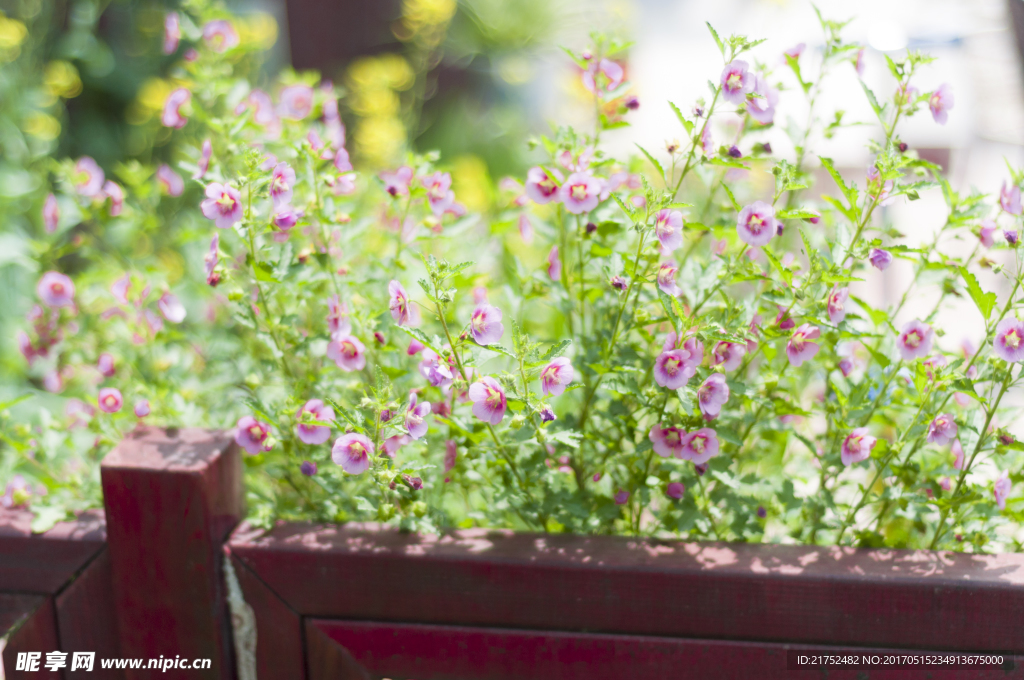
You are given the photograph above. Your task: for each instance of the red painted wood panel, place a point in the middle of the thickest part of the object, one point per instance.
(902, 599)
(43, 563)
(279, 650)
(171, 498)
(36, 633)
(426, 652)
(327, 660)
(86, 619)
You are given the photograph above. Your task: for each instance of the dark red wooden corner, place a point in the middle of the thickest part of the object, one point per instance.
(362, 602)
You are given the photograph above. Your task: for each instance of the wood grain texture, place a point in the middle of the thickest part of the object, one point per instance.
(43, 563)
(426, 652)
(37, 632)
(327, 660)
(86, 619)
(171, 498)
(838, 596)
(279, 650)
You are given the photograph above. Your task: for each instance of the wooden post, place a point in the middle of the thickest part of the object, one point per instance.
(172, 497)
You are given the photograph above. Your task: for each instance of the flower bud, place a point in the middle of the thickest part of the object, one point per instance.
(418, 508)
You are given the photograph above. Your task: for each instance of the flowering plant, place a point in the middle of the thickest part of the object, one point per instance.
(660, 345)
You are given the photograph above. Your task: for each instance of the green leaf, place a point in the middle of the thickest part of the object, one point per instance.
(421, 336)
(667, 303)
(655, 163)
(798, 214)
(732, 199)
(718, 41)
(264, 272)
(498, 349)
(682, 119)
(871, 99)
(786, 274)
(848, 191)
(556, 350)
(568, 437)
(984, 301)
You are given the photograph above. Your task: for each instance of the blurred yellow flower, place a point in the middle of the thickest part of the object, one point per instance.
(379, 141)
(383, 71)
(471, 183)
(12, 34)
(41, 126)
(257, 30)
(419, 14)
(61, 78)
(150, 100)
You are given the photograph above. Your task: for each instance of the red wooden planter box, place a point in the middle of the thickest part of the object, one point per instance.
(360, 601)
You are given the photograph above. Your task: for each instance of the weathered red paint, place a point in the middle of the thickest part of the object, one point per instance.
(43, 563)
(86, 620)
(328, 660)
(428, 652)
(279, 651)
(36, 632)
(171, 498)
(880, 598)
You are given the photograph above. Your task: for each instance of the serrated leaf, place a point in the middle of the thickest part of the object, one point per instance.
(687, 125)
(264, 272)
(421, 336)
(714, 34)
(556, 351)
(786, 274)
(798, 214)
(498, 349)
(732, 199)
(984, 301)
(655, 163)
(570, 438)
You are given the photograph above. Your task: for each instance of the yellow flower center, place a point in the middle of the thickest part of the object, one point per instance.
(913, 339)
(256, 432)
(1013, 339)
(697, 443)
(225, 201)
(578, 191)
(734, 81)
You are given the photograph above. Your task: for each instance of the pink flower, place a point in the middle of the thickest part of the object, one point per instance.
(858, 63)
(415, 417)
(56, 290)
(675, 490)
(204, 160)
(621, 497)
(940, 102)
(220, 35)
(880, 259)
(1001, 489)
(281, 182)
(88, 177)
(857, 446)
(1009, 199)
(736, 82)
(756, 224)
(946, 484)
(728, 354)
(51, 214)
(439, 193)
(352, 453)
(1009, 341)
(555, 376)
(263, 109)
(285, 217)
(674, 368)
(105, 365)
(172, 32)
(1011, 236)
(800, 348)
(796, 50)
(877, 189)
(142, 408)
(580, 193)
(172, 116)
(612, 72)
(707, 143)
(837, 304)
(120, 288)
(761, 106)
(170, 182)
(915, 340)
(17, 493)
(210, 262)
(398, 303)
(486, 325)
(488, 400)
(554, 264)
(435, 370)
(783, 320)
(667, 279)
(415, 347)
(348, 353)
(397, 183)
(110, 400)
(296, 102)
(668, 226)
(115, 193)
(988, 228)
(942, 430)
(451, 455)
(317, 411)
(541, 186)
(712, 396)
(701, 446)
(525, 229)
(338, 322)
(171, 308)
(223, 205)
